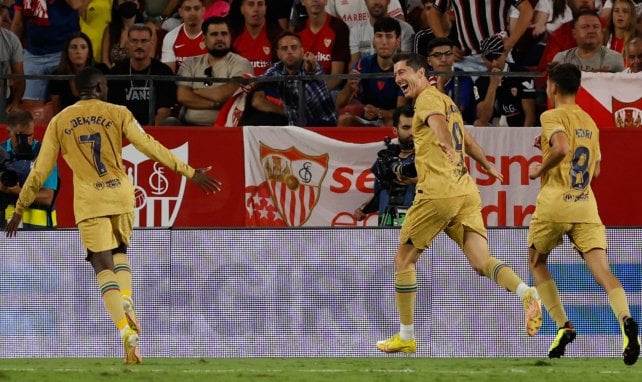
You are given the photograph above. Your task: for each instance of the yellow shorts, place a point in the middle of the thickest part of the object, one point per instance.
(427, 217)
(544, 236)
(106, 232)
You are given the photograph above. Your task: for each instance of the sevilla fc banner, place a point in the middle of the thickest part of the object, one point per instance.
(295, 177)
(612, 99)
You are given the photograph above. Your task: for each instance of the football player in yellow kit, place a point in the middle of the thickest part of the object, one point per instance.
(446, 199)
(90, 135)
(566, 206)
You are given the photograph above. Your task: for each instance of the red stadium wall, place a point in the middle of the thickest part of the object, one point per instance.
(618, 189)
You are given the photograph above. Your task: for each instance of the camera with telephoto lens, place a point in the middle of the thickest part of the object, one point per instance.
(9, 162)
(388, 164)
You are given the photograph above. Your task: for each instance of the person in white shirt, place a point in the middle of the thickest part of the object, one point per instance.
(353, 12)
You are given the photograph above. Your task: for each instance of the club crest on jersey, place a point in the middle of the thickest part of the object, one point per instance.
(627, 114)
(327, 42)
(158, 191)
(294, 180)
(266, 50)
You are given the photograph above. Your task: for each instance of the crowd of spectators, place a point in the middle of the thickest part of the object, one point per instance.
(243, 40)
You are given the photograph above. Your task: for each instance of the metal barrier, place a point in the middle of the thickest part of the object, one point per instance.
(300, 82)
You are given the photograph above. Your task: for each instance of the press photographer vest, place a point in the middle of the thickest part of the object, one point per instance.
(33, 217)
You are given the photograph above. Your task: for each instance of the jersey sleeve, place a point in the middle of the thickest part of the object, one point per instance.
(551, 124)
(167, 54)
(44, 164)
(428, 105)
(149, 146)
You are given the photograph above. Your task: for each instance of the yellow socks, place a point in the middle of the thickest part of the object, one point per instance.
(110, 291)
(502, 274)
(620, 307)
(123, 274)
(551, 299)
(406, 291)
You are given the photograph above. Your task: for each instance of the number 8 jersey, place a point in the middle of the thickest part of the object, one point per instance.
(566, 195)
(90, 135)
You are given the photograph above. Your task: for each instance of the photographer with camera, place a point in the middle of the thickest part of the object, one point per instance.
(395, 172)
(17, 155)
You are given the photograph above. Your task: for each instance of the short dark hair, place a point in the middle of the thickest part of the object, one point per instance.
(414, 60)
(139, 27)
(406, 110)
(584, 12)
(214, 20)
(285, 34)
(88, 78)
(18, 117)
(437, 42)
(567, 77)
(387, 24)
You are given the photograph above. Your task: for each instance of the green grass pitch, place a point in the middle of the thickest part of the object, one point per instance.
(388, 369)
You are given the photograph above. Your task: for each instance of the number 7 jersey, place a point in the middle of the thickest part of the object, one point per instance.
(90, 135)
(566, 195)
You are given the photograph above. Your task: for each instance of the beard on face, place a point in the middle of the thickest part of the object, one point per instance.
(218, 52)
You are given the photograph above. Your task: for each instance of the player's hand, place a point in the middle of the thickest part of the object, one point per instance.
(538, 142)
(534, 170)
(491, 170)
(449, 151)
(205, 182)
(13, 224)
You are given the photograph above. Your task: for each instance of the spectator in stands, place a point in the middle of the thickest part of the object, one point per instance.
(19, 154)
(135, 94)
(633, 52)
(124, 14)
(354, 12)
(362, 34)
(202, 100)
(253, 35)
(621, 25)
(282, 98)
(327, 37)
(76, 55)
(186, 40)
(6, 12)
(550, 15)
(460, 88)
(94, 18)
(375, 98)
(45, 25)
(503, 101)
(477, 20)
(425, 34)
(590, 55)
(563, 38)
(11, 62)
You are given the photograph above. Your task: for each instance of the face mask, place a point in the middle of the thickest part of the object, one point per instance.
(127, 9)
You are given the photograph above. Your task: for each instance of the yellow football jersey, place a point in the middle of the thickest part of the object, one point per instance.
(566, 195)
(90, 135)
(438, 177)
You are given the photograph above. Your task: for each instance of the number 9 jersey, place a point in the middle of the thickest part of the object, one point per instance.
(90, 135)
(566, 195)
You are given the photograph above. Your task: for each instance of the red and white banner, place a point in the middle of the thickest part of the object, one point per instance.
(612, 99)
(295, 177)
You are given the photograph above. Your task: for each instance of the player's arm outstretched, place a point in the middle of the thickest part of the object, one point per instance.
(153, 149)
(560, 146)
(475, 151)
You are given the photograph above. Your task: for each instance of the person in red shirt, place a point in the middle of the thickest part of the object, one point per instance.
(327, 37)
(252, 34)
(186, 40)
